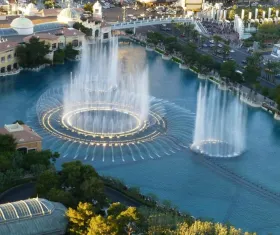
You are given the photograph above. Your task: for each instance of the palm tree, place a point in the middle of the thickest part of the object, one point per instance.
(226, 50)
(216, 39)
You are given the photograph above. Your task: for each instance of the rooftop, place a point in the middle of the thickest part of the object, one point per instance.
(43, 36)
(68, 32)
(36, 216)
(22, 135)
(5, 46)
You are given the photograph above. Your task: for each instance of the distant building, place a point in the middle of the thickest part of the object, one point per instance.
(26, 139)
(193, 5)
(69, 16)
(34, 216)
(8, 57)
(276, 51)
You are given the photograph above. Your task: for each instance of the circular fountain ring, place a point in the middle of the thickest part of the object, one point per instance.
(58, 123)
(162, 132)
(215, 148)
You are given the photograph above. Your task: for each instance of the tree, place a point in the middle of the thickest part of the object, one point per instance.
(226, 50)
(79, 219)
(189, 53)
(59, 56)
(253, 68)
(83, 182)
(228, 69)
(32, 54)
(7, 143)
(59, 195)
(47, 180)
(88, 7)
(216, 39)
(82, 28)
(19, 122)
(70, 53)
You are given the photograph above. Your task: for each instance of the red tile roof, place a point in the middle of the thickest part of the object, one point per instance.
(25, 136)
(67, 32)
(4, 46)
(46, 36)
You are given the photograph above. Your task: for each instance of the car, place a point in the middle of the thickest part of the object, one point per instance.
(142, 15)
(133, 18)
(130, 15)
(232, 51)
(211, 41)
(220, 45)
(244, 62)
(182, 35)
(205, 45)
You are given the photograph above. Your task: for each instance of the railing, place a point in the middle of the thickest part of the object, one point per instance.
(145, 22)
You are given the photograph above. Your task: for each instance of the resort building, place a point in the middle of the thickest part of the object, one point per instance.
(8, 59)
(26, 139)
(34, 216)
(193, 5)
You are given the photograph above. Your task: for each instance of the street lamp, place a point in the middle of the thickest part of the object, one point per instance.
(124, 13)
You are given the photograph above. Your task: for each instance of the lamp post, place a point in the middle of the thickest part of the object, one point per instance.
(124, 13)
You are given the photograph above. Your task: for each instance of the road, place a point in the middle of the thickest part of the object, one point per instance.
(28, 190)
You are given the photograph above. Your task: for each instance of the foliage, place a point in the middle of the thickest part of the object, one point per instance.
(49, 4)
(88, 7)
(154, 38)
(32, 54)
(228, 69)
(70, 53)
(82, 28)
(59, 56)
(19, 122)
(7, 144)
(119, 220)
(253, 68)
(79, 181)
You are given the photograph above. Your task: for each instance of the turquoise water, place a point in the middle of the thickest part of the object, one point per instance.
(181, 177)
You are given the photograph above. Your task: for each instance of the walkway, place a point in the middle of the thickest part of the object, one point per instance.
(149, 22)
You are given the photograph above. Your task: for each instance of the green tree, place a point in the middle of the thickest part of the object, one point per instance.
(82, 28)
(226, 50)
(19, 122)
(32, 54)
(47, 180)
(228, 70)
(7, 143)
(70, 53)
(59, 56)
(59, 195)
(83, 182)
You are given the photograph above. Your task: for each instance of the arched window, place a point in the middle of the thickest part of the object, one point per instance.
(96, 33)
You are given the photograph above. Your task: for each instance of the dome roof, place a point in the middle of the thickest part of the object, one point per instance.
(97, 5)
(22, 23)
(69, 13)
(31, 6)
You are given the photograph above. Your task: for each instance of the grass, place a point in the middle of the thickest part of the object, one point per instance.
(177, 60)
(213, 79)
(159, 50)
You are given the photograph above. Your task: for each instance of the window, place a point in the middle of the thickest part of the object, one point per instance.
(80, 43)
(54, 46)
(2, 59)
(75, 43)
(60, 45)
(105, 35)
(9, 57)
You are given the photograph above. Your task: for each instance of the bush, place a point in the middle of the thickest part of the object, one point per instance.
(59, 56)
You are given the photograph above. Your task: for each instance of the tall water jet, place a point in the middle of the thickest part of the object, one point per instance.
(102, 96)
(220, 123)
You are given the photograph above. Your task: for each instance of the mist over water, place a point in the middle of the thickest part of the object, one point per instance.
(220, 123)
(101, 82)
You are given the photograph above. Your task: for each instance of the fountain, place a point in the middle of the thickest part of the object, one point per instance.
(220, 123)
(106, 107)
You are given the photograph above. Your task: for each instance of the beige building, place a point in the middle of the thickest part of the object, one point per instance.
(8, 60)
(26, 139)
(193, 5)
(59, 39)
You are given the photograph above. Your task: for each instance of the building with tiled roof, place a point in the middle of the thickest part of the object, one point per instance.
(26, 138)
(8, 59)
